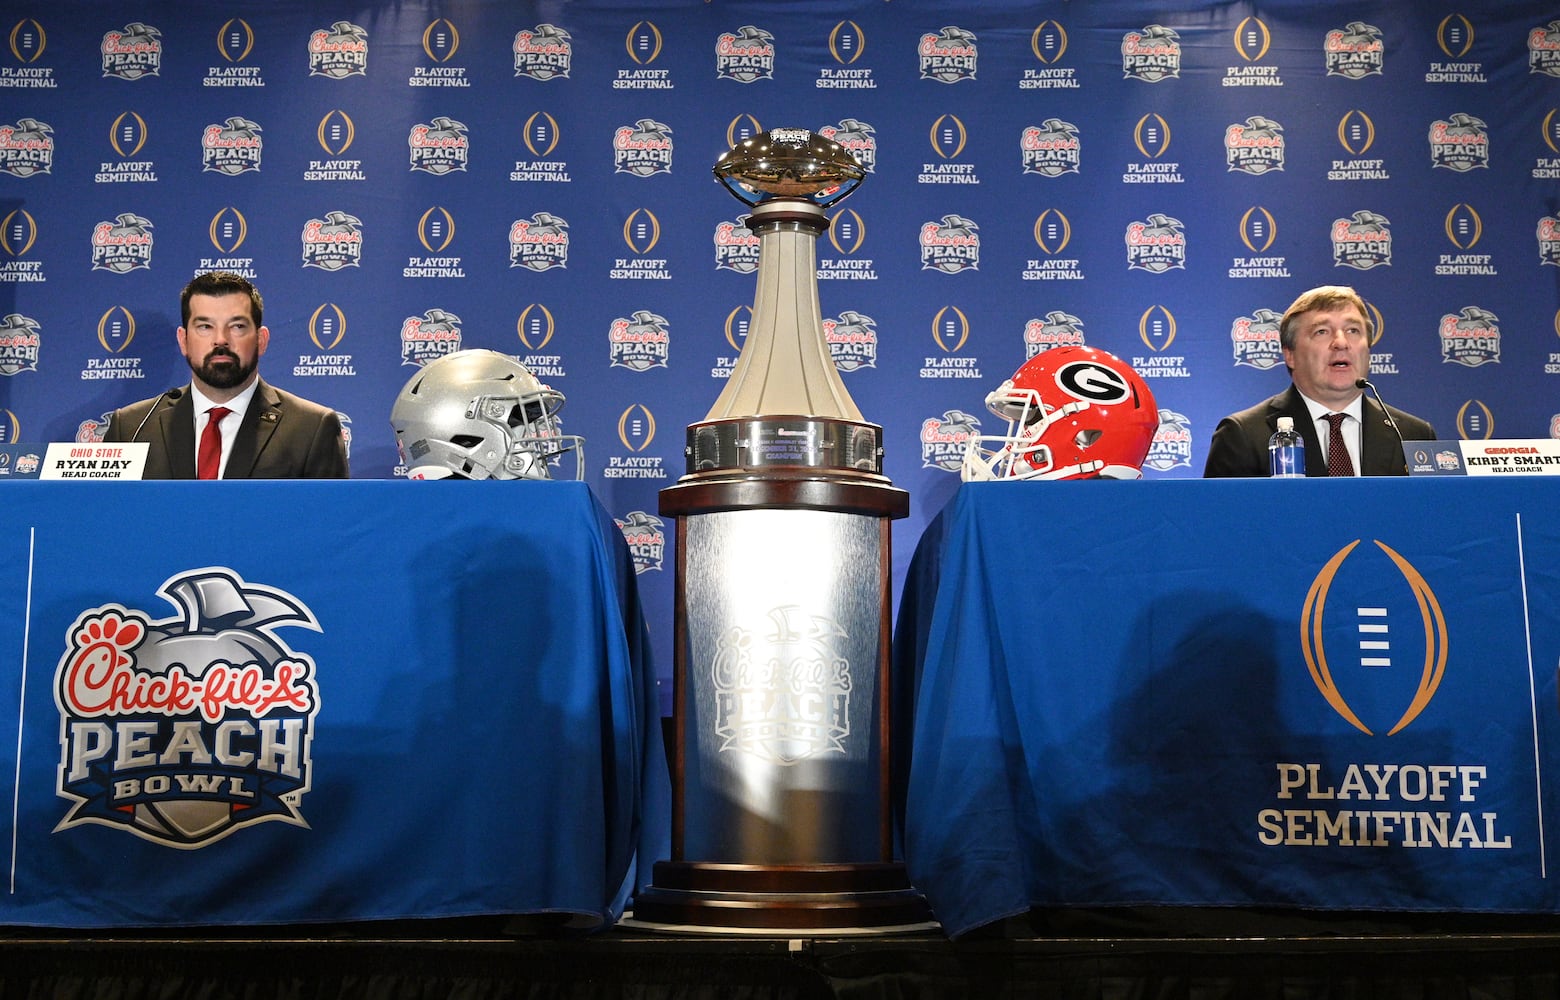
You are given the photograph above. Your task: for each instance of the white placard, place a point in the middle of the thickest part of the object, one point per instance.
(1508, 457)
(93, 461)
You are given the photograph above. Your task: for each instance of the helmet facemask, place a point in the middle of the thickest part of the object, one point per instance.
(534, 435)
(1022, 453)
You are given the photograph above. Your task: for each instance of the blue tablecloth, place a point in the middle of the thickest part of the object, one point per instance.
(290, 702)
(1315, 693)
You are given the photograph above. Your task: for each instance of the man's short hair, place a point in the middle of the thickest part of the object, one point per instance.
(1326, 298)
(221, 283)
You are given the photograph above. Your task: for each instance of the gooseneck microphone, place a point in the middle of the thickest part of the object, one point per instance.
(1365, 383)
(172, 395)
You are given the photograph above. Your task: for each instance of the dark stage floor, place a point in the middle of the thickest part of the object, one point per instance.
(1195, 955)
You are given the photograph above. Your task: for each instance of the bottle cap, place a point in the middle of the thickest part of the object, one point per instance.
(1286, 423)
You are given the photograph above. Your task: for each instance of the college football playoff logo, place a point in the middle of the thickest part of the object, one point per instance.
(1370, 667)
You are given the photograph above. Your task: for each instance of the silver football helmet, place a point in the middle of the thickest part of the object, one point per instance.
(479, 414)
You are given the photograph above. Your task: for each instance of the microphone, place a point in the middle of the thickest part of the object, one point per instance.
(171, 394)
(1365, 383)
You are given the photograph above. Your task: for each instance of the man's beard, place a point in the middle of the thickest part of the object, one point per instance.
(223, 376)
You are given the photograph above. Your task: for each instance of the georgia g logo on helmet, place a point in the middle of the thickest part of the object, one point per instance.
(1092, 381)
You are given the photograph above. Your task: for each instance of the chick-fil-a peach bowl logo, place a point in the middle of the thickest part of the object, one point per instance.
(184, 730)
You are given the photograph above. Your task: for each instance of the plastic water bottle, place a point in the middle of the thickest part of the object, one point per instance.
(1286, 451)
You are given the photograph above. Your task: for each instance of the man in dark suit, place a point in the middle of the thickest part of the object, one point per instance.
(229, 423)
(1326, 341)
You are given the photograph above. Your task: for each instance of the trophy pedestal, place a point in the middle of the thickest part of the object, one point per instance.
(781, 811)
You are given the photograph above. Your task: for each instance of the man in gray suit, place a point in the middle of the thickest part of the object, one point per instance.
(1326, 341)
(229, 423)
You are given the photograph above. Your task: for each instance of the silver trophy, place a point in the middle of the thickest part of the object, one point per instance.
(781, 812)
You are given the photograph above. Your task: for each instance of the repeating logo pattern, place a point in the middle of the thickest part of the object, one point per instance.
(645, 535)
(1156, 244)
(1016, 232)
(1355, 51)
(853, 340)
(1055, 329)
(745, 55)
(639, 342)
(338, 52)
(1544, 49)
(231, 148)
(133, 52)
(1460, 143)
(539, 243)
(1151, 55)
(1255, 146)
(1471, 337)
(1362, 241)
(545, 52)
(944, 438)
(1051, 148)
(20, 341)
(123, 245)
(429, 337)
(1172, 445)
(1256, 340)
(334, 242)
(642, 149)
(949, 56)
(950, 245)
(439, 147)
(26, 148)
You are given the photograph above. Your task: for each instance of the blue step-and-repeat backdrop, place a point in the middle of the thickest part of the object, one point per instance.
(1158, 179)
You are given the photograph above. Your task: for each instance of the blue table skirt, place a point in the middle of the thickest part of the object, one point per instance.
(292, 702)
(1316, 693)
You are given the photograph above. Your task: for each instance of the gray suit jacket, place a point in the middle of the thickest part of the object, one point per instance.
(282, 436)
(1240, 442)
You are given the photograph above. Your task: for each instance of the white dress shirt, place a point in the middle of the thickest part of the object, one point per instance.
(1350, 427)
(238, 406)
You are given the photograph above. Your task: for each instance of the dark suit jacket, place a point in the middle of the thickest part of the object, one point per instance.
(282, 436)
(1240, 442)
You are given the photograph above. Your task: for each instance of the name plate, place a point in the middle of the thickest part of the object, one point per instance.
(72, 460)
(1510, 457)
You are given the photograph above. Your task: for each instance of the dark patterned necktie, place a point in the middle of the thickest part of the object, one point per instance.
(1338, 463)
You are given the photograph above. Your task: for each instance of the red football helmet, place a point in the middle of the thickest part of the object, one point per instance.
(1072, 413)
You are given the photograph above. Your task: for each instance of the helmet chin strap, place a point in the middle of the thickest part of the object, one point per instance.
(1065, 410)
(1081, 469)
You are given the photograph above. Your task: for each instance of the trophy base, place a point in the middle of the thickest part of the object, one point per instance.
(707, 897)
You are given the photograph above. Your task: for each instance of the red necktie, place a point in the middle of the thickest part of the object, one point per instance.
(209, 458)
(1338, 463)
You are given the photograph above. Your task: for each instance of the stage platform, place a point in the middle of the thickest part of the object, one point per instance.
(1116, 954)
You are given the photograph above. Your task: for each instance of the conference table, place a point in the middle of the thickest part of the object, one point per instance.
(1316, 694)
(316, 702)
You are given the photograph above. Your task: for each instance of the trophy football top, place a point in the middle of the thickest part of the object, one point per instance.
(789, 163)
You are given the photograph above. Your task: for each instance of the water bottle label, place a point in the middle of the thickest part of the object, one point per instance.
(1286, 462)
